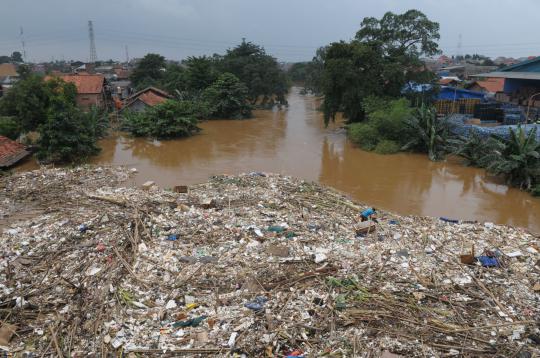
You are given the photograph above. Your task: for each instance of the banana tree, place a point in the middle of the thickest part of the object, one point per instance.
(518, 160)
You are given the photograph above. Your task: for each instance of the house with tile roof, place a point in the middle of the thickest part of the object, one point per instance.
(488, 85)
(90, 89)
(148, 97)
(11, 152)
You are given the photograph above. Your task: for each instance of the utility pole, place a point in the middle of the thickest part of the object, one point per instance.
(127, 56)
(23, 45)
(93, 55)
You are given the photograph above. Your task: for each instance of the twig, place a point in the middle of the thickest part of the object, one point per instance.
(55, 341)
(127, 267)
(526, 323)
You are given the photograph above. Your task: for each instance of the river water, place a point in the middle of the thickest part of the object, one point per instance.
(295, 142)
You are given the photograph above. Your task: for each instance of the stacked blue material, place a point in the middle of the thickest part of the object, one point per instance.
(460, 128)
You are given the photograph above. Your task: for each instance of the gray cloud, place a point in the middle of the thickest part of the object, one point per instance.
(290, 30)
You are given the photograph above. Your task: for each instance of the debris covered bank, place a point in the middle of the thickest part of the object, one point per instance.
(261, 265)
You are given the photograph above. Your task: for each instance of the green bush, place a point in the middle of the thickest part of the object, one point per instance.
(536, 191)
(386, 146)
(363, 135)
(9, 127)
(390, 120)
(371, 104)
(171, 119)
(66, 137)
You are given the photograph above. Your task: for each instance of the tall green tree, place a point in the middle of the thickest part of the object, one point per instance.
(24, 71)
(315, 71)
(149, 71)
(259, 71)
(200, 72)
(16, 57)
(352, 72)
(174, 79)
(227, 98)
(30, 99)
(66, 136)
(382, 58)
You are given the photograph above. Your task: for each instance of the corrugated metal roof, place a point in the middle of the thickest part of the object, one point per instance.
(527, 64)
(11, 152)
(514, 75)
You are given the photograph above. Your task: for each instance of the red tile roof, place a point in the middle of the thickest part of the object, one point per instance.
(11, 152)
(86, 84)
(492, 85)
(149, 96)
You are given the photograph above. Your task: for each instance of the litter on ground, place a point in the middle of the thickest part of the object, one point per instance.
(260, 265)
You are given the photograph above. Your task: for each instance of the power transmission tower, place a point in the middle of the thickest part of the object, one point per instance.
(23, 45)
(93, 55)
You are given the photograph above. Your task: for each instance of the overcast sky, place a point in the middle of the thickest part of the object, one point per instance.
(290, 30)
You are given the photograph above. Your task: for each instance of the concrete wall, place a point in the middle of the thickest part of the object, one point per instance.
(86, 101)
(137, 106)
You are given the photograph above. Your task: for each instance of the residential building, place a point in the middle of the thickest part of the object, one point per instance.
(120, 89)
(521, 82)
(11, 152)
(148, 97)
(8, 76)
(90, 89)
(489, 85)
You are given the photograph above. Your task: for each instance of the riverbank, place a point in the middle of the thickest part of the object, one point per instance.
(295, 142)
(256, 263)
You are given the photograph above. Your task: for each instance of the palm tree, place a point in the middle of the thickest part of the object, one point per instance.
(518, 158)
(428, 134)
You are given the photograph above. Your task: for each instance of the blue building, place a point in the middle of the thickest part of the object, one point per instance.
(454, 93)
(521, 81)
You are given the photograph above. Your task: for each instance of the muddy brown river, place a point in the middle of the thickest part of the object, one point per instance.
(295, 142)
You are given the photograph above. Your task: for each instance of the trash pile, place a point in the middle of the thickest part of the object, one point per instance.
(255, 265)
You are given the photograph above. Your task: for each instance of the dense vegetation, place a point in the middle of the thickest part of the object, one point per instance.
(364, 80)
(516, 158)
(48, 107)
(206, 87)
(171, 119)
(227, 97)
(379, 61)
(258, 72)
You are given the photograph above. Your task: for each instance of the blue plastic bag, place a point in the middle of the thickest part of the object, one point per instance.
(487, 261)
